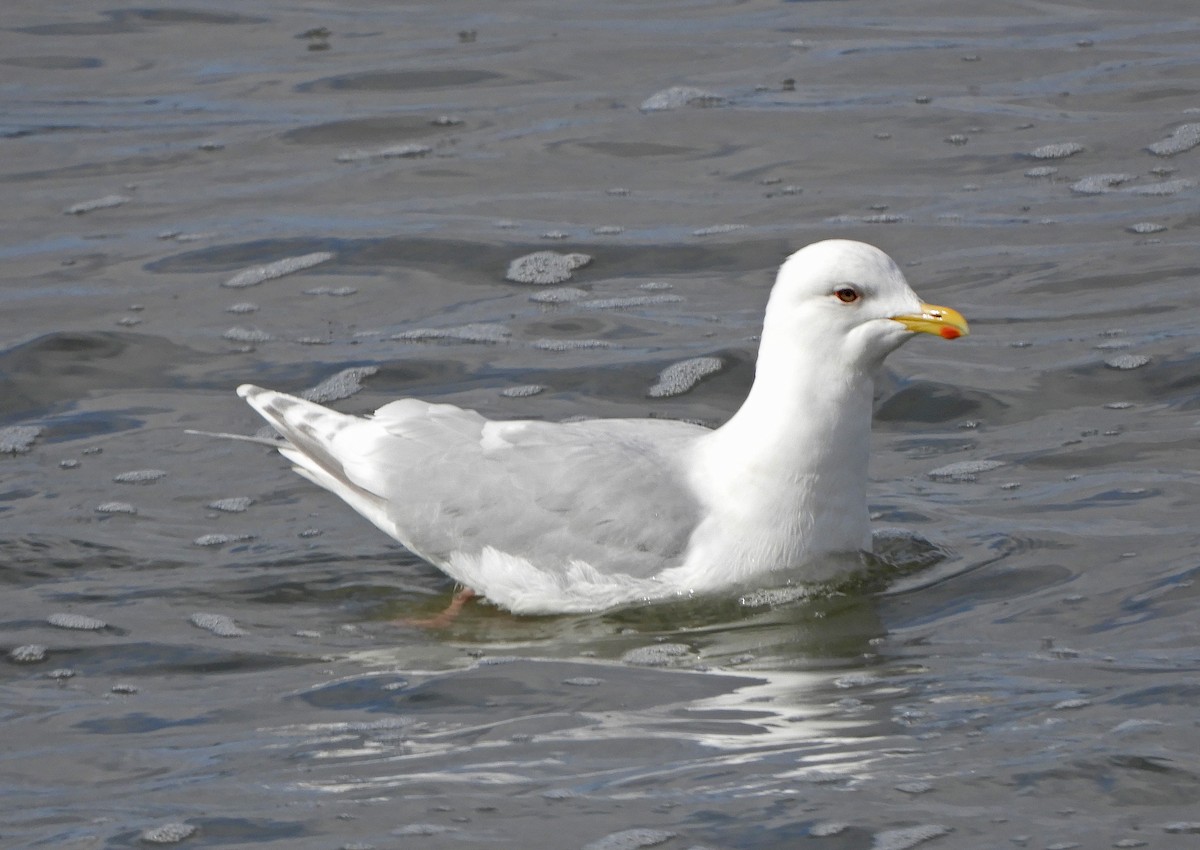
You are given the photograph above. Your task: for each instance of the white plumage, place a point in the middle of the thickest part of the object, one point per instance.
(554, 517)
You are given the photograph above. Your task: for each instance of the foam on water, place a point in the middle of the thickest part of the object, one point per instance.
(656, 655)
(232, 505)
(240, 334)
(784, 191)
(423, 830)
(82, 622)
(219, 624)
(678, 97)
(480, 332)
(1166, 187)
(1184, 138)
(18, 439)
(1127, 361)
(1072, 704)
(560, 295)
(773, 597)
(631, 839)
(545, 268)
(965, 470)
(1099, 184)
(342, 385)
(190, 237)
(255, 275)
(168, 833)
(718, 229)
(402, 151)
(629, 301)
(1058, 150)
(218, 539)
(570, 344)
(30, 653)
(827, 828)
(877, 218)
(140, 476)
(560, 794)
(680, 377)
(242, 307)
(909, 836)
(522, 391)
(107, 202)
(115, 508)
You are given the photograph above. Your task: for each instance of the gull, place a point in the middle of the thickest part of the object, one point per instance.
(556, 517)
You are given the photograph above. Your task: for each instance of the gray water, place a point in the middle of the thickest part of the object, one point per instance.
(232, 676)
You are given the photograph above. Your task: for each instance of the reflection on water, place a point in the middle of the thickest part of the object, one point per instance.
(536, 717)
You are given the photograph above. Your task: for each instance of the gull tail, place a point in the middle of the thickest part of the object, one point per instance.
(308, 431)
(310, 435)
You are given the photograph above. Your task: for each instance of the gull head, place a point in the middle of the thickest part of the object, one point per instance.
(848, 301)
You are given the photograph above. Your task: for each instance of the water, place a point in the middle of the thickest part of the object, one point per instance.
(180, 672)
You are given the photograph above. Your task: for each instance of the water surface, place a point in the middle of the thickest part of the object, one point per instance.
(225, 670)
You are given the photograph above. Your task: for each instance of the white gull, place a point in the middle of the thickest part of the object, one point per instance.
(543, 517)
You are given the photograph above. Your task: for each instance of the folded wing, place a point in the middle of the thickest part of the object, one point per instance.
(446, 482)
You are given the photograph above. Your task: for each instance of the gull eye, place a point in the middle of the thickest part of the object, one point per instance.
(846, 294)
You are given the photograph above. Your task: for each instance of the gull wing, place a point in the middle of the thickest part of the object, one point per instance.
(447, 482)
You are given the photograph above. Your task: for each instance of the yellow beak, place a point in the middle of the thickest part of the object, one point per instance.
(942, 321)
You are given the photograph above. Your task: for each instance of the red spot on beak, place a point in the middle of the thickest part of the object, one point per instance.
(950, 333)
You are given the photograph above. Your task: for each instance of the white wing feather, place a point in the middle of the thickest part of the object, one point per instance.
(454, 487)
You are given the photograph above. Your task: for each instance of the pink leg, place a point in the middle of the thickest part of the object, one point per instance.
(446, 617)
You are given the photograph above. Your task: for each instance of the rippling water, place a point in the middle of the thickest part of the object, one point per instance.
(201, 646)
